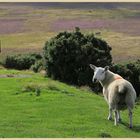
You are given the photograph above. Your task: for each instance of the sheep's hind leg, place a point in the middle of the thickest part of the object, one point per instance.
(115, 117)
(130, 118)
(119, 116)
(110, 114)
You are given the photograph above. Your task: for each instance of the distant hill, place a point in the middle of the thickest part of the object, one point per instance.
(24, 27)
(82, 5)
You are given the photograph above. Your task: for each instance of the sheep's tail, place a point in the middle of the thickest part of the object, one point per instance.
(121, 97)
(122, 90)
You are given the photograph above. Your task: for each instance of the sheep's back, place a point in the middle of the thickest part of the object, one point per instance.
(120, 94)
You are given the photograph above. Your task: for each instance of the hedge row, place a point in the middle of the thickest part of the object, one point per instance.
(21, 61)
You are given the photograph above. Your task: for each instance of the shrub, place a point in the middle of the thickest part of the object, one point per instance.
(69, 54)
(21, 61)
(37, 66)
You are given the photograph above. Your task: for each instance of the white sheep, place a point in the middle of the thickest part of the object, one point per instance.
(118, 92)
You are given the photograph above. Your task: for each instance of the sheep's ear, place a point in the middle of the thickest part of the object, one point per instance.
(106, 68)
(92, 66)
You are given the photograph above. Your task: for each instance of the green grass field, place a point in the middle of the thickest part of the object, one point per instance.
(60, 110)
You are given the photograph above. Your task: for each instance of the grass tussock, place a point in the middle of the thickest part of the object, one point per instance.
(105, 135)
(38, 87)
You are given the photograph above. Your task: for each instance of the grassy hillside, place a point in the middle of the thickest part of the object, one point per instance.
(60, 110)
(26, 27)
(34, 106)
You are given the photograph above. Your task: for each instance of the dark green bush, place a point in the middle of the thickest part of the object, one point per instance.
(21, 61)
(37, 66)
(69, 54)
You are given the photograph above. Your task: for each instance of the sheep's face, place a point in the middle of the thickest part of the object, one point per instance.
(99, 73)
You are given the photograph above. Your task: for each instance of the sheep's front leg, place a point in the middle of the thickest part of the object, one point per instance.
(115, 117)
(110, 114)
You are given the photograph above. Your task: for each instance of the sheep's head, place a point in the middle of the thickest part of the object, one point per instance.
(99, 73)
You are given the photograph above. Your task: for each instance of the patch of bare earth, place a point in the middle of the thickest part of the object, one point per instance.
(14, 75)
